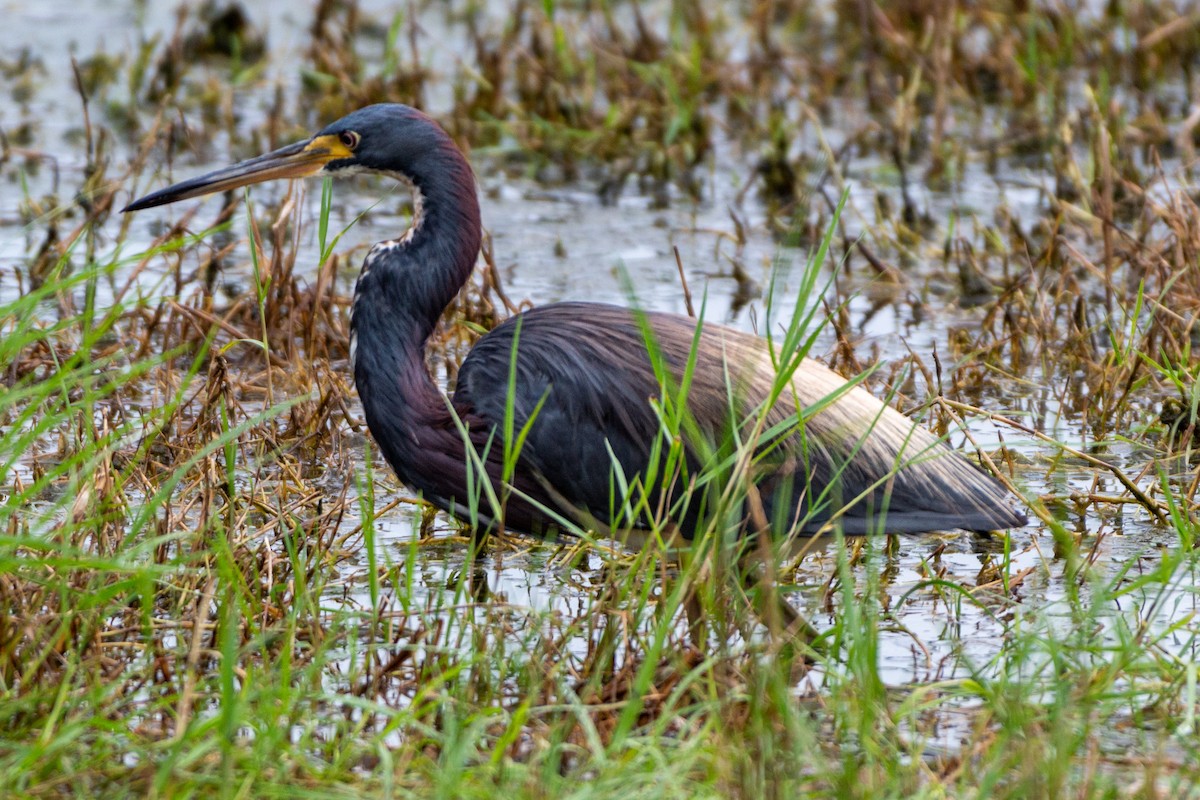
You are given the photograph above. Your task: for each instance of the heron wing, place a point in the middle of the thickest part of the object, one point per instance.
(584, 374)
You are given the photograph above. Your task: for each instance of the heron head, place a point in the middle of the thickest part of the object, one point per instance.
(389, 138)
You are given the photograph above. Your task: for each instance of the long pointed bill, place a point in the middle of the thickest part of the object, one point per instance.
(299, 160)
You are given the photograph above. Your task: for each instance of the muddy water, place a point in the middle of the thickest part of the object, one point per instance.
(557, 242)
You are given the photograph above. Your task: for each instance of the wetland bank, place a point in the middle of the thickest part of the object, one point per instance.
(211, 584)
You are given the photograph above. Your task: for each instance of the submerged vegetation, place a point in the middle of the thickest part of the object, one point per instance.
(209, 585)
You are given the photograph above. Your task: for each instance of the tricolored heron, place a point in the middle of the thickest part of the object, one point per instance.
(584, 374)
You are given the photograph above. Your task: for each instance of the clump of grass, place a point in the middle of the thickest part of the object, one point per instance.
(194, 639)
(343, 77)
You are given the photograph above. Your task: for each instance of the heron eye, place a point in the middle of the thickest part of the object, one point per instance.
(349, 138)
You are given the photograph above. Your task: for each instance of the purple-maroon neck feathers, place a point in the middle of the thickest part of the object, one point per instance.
(406, 284)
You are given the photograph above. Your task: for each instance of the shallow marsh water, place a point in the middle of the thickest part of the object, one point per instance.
(557, 240)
